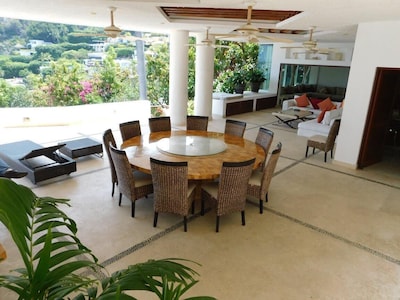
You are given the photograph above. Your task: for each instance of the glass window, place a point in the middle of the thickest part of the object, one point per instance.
(265, 63)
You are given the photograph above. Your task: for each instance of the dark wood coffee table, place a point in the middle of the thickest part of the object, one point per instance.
(290, 115)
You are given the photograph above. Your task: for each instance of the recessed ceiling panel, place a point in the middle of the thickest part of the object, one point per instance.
(221, 14)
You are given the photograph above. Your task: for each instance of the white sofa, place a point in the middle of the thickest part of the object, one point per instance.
(291, 104)
(312, 127)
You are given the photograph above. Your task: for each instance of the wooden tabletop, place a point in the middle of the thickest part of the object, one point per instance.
(140, 149)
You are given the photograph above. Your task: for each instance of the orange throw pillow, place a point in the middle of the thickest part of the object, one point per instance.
(302, 101)
(321, 116)
(326, 104)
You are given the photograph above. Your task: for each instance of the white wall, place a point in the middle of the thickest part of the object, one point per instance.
(377, 45)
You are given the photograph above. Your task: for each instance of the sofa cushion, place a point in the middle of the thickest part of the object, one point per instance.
(326, 104)
(302, 101)
(321, 116)
(315, 101)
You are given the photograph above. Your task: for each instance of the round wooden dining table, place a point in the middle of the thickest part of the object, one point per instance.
(170, 146)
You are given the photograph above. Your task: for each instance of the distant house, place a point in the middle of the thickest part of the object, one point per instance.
(32, 44)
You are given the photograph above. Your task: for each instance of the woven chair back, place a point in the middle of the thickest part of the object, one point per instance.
(232, 189)
(197, 123)
(264, 139)
(126, 181)
(170, 185)
(235, 128)
(160, 124)
(130, 129)
(108, 139)
(333, 132)
(269, 170)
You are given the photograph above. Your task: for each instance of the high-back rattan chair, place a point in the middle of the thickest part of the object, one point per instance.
(132, 184)
(108, 139)
(260, 180)
(324, 143)
(229, 193)
(160, 124)
(172, 191)
(197, 123)
(130, 129)
(264, 139)
(234, 127)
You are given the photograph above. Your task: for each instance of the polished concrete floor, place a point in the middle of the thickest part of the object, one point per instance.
(327, 232)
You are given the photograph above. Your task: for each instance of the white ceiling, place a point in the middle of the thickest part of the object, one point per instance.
(335, 20)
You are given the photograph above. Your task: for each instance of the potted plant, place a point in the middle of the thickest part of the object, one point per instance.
(239, 81)
(55, 260)
(255, 76)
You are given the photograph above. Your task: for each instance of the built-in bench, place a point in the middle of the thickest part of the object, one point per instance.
(225, 104)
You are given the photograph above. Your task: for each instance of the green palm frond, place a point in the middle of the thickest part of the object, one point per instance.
(54, 257)
(47, 242)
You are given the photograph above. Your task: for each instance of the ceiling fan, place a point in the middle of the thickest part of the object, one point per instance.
(111, 31)
(208, 42)
(251, 33)
(311, 45)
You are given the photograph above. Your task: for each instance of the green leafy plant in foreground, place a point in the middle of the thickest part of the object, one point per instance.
(55, 259)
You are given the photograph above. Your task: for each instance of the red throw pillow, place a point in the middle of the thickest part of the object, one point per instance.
(326, 104)
(321, 116)
(302, 101)
(314, 102)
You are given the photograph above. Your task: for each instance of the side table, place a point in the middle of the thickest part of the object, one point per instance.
(81, 147)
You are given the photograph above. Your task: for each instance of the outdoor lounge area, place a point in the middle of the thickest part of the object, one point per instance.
(327, 232)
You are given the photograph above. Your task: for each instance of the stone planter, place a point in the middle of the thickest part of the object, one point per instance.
(255, 86)
(239, 88)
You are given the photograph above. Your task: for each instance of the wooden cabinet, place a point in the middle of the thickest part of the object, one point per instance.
(232, 104)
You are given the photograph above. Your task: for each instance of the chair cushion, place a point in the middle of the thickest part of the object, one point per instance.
(318, 138)
(211, 188)
(141, 178)
(255, 178)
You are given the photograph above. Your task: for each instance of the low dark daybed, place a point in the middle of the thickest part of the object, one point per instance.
(40, 162)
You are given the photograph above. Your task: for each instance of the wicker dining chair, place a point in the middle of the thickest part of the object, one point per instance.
(264, 139)
(160, 124)
(229, 193)
(132, 184)
(260, 181)
(197, 123)
(324, 143)
(130, 129)
(172, 191)
(234, 127)
(108, 139)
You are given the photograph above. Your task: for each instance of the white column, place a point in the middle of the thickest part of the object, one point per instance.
(204, 78)
(178, 76)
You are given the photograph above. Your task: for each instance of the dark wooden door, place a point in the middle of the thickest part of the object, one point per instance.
(379, 115)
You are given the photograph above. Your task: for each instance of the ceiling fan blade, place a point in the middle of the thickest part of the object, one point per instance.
(249, 13)
(272, 38)
(88, 34)
(292, 47)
